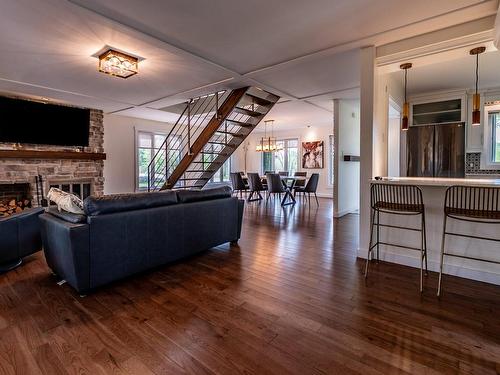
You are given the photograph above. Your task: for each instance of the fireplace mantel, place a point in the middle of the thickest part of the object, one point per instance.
(40, 154)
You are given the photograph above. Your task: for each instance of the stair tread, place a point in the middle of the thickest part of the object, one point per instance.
(194, 179)
(258, 100)
(247, 112)
(220, 143)
(229, 133)
(254, 91)
(241, 123)
(206, 162)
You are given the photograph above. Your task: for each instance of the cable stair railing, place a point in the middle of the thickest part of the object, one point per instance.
(206, 134)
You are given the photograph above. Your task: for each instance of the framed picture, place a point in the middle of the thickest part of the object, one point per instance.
(313, 155)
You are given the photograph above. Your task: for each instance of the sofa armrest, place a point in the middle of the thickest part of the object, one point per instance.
(66, 248)
(241, 207)
(20, 235)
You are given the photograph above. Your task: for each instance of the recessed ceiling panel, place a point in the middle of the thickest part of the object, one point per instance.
(315, 76)
(50, 43)
(248, 35)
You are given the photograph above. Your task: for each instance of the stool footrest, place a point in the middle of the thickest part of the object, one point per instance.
(471, 258)
(400, 227)
(396, 245)
(471, 236)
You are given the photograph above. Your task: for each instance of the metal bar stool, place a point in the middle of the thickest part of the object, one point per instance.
(397, 200)
(471, 204)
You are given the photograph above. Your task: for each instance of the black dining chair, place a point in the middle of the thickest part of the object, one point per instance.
(283, 173)
(256, 186)
(310, 188)
(276, 186)
(238, 183)
(299, 183)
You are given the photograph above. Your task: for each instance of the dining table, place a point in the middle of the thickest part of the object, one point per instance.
(289, 183)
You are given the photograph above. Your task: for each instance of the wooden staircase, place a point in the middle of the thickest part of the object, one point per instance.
(205, 136)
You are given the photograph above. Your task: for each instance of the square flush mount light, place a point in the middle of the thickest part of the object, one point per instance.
(118, 64)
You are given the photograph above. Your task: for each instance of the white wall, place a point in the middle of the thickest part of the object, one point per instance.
(376, 89)
(347, 142)
(313, 133)
(119, 145)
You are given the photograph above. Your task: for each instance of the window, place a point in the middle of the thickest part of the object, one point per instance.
(222, 175)
(148, 145)
(331, 161)
(494, 121)
(286, 159)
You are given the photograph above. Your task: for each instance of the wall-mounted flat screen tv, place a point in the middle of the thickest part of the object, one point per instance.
(29, 122)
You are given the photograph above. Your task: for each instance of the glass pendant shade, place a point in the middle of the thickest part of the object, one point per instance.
(406, 106)
(404, 120)
(476, 112)
(476, 98)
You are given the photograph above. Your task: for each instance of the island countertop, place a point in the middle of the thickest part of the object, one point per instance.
(433, 194)
(439, 181)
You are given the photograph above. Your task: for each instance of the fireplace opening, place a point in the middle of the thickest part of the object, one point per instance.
(14, 198)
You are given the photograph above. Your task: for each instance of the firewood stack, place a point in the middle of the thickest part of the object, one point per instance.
(13, 206)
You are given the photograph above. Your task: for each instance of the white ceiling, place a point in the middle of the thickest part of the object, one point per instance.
(304, 51)
(454, 74)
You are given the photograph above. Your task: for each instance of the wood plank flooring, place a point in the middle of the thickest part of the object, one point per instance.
(290, 299)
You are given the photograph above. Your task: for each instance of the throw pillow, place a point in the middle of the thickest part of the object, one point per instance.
(65, 201)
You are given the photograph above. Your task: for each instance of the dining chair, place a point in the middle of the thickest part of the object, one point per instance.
(299, 183)
(238, 183)
(310, 188)
(276, 186)
(256, 186)
(283, 173)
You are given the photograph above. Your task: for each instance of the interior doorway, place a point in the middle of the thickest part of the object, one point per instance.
(394, 140)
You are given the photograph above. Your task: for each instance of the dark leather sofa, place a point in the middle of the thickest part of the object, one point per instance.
(121, 235)
(20, 234)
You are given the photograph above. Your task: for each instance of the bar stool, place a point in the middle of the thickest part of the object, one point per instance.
(471, 204)
(397, 200)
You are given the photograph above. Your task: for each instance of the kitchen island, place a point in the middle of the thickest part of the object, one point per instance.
(433, 191)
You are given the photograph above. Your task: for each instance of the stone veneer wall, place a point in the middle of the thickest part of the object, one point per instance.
(57, 171)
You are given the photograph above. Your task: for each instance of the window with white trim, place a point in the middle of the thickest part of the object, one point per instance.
(494, 123)
(285, 160)
(149, 144)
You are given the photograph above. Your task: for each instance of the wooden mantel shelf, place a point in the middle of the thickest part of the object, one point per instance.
(38, 154)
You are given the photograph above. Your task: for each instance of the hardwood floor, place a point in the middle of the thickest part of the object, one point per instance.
(291, 298)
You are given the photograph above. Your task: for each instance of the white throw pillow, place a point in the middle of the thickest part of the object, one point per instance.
(65, 201)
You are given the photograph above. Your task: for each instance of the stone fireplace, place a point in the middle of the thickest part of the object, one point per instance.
(70, 170)
(14, 198)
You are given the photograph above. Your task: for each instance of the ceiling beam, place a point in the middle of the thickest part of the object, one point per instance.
(481, 7)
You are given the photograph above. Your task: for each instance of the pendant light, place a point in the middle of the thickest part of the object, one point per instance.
(268, 143)
(476, 98)
(406, 105)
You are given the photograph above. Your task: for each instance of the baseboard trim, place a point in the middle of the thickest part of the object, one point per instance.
(338, 214)
(448, 269)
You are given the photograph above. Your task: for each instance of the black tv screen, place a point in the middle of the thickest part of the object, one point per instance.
(24, 121)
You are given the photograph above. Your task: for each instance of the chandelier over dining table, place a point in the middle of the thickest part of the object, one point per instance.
(268, 142)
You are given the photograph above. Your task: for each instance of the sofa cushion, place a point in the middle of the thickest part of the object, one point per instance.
(107, 204)
(67, 216)
(187, 196)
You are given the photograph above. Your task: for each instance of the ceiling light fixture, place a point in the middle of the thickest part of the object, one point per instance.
(268, 143)
(476, 98)
(406, 105)
(118, 64)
